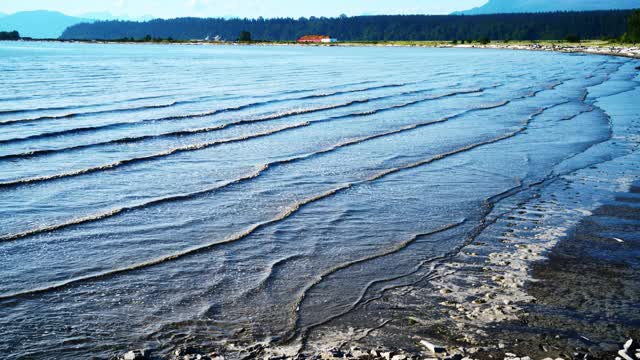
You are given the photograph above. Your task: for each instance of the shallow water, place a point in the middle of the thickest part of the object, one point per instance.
(155, 195)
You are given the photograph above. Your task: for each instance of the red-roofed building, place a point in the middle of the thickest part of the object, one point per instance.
(316, 39)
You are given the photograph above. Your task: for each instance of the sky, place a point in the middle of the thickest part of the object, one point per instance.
(240, 8)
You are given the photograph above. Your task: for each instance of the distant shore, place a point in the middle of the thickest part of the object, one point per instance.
(595, 47)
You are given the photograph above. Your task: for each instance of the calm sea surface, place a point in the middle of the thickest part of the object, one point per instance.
(154, 195)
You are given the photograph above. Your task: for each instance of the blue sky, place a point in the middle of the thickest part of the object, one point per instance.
(243, 8)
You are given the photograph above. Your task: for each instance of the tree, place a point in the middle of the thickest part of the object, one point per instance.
(539, 26)
(572, 38)
(12, 35)
(245, 36)
(148, 38)
(484, 40)
(633, 28)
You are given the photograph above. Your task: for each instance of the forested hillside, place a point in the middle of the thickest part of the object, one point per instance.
(586, 25)
(521, 6)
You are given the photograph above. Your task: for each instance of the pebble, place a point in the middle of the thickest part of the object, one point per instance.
(624, 355)
(627, 345)
(135, 355)
(629, 350)
(432, 347)
(358, 353)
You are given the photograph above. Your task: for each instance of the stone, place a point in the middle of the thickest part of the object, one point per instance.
(358, 353)
(628, 345)
(623, 354)
(337, 353)
(432, 347)
(386, 355)
(135, 355)
(399, 357)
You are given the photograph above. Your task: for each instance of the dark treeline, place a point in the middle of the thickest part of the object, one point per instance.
(9, 35)
(540, 26)
(633, 33)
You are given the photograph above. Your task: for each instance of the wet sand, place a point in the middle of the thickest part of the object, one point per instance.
(585, 295)
(590, 286)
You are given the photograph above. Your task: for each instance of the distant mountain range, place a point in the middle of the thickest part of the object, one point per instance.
(44, 24)
(39, 24)
(533, 6)
(105, 16)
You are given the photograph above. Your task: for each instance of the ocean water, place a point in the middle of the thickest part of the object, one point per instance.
(152, 196)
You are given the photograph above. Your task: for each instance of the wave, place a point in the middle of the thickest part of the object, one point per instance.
(117, 125)
(70, 107)
(136, 160)
(293, 209)
(90, 113)
(176, 117)
(275, 116)
(121, 163)
(181, 132)
(396, 249)
(270, 271)
(262, 169)
(128, 140)
(488, 206)
(155, 97)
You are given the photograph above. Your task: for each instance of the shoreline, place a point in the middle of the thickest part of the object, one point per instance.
(507, 290)
(505, 295)
(518, 291)
(586, 47)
